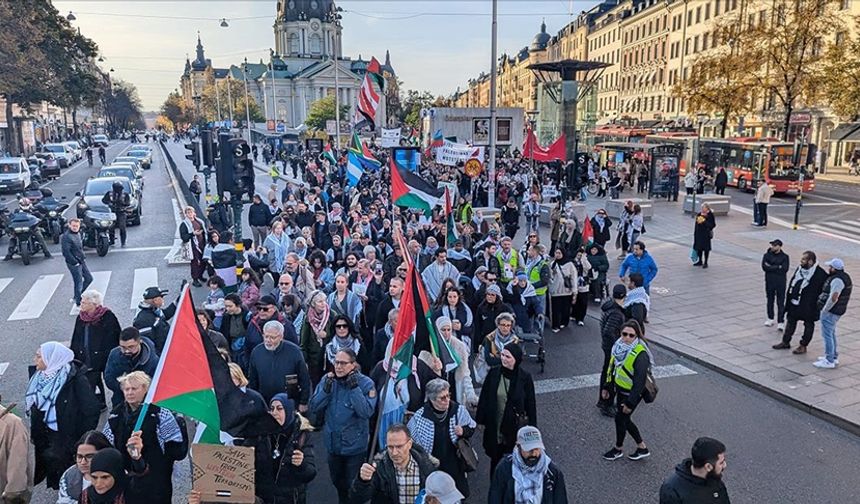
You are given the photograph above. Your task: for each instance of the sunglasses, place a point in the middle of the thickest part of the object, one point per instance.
(266, 308)
(283, 283)
(629, 334)
(341, 326)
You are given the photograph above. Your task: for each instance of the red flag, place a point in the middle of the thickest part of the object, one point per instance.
(587, 231)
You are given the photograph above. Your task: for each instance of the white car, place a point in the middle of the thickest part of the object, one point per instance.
(63, 152)
(14, 174)
(76, 148)
(100, 141)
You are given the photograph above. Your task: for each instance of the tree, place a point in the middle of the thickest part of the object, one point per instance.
(227, 90)
(164, 124)
(719, 81)
(322, 110)
(789, 49)
(412, 104)
(841, 73)
(173, 110)
(122, 106)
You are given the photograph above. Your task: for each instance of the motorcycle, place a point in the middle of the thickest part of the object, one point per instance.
(4, 220)
(23, 241)
(95, 230)
(54, 222)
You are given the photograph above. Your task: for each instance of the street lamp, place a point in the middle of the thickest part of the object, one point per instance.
(224, 23)
(532, 116)
(337, 18)
(71, 16)
(247, 104)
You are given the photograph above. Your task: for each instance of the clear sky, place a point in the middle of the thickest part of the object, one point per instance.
(435, 45)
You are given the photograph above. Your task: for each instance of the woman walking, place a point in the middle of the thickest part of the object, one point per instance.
(626, 374)
(583, 286)
(193, 234)
(562, 286)
(635, 228)
(703, 233)
(315, 334)
(96, 334)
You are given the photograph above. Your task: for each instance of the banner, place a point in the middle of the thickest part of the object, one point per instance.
(451, 153)
(223, 473)
(390, 138)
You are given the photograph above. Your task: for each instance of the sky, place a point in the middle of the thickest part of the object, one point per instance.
(435, 45)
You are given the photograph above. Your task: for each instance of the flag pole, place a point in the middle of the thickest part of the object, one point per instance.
(381, 405)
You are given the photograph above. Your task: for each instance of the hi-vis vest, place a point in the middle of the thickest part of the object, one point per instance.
(534, 277)
(623, 374)
(509, 267)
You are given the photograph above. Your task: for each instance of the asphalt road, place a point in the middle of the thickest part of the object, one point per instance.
(776, 453)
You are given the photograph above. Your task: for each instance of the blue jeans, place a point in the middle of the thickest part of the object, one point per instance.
(828, 334)
(82, 279)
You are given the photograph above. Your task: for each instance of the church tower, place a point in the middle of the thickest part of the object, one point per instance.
(306, 29)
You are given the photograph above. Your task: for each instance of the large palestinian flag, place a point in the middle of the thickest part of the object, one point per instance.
(411, 191)
(192, 379)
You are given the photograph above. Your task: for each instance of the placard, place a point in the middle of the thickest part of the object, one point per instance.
(390, 138)
(223, 473)
(450, 153)
(481, 131)
(503, 130)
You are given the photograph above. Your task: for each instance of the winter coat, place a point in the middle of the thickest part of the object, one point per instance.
(254, 334)
(521, 399)
(103, 337)
(153, 325)
(259, 215)
(462, 375)
(382, 487)
(602, 236)
(346, 412)
(644, 265)
(703, 232)
(682, 487)
(610, 323)
(73, 248)
(119, 364)
(286, 483)
(807, 309)
(558, 274)
(16, 463)
(485, 322)
(775, 267)
(502, 487)
(382, 309)
(722, 179)
(280, 370)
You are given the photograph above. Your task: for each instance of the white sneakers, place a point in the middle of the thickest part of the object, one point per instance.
(768, 323)
(780, 327)
(823, 363)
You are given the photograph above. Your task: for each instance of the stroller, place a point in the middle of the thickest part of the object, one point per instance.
(532, 342)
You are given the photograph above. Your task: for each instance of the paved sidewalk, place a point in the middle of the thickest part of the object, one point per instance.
(838, 176)
(716, 316)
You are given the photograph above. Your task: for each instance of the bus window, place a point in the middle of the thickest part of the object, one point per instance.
(781, 163)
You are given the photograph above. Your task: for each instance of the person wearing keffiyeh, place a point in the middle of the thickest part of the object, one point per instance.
(528, 475)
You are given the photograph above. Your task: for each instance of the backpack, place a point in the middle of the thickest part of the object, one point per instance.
(649, 395)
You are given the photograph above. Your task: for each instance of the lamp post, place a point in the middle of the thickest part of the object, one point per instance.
(532, 117)
(247, 104)
(491, 165)
(218, 101)
(337, 18)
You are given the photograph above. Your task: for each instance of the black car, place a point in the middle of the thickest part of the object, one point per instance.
(50, 167)
(96, 188)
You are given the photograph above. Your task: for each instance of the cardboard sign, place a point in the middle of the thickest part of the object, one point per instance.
(223, 473)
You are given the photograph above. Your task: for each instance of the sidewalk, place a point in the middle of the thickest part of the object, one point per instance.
(838, 177)
(716, 316)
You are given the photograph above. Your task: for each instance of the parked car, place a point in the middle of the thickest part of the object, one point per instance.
(100, 141)
(76, 149)
(96, 188)
(63, 152)
(15, 174)
(50, 166)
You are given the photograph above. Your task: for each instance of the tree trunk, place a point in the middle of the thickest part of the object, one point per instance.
(723, 124)
(789, 108)
(75, 121)
(11, 133)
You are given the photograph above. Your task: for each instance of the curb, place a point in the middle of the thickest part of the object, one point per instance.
(174, 257)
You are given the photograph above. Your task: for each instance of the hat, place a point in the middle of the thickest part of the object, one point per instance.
(153, 292)
(522, 276)
(335, 205)
(619, 291)
(441, 486)
(835, 263)
(267, 300)
(776, 242)
(494, 289)
(481, 269)
(529, 438)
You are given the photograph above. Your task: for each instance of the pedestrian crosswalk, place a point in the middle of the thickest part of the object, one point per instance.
(57, 290)
(846, 228)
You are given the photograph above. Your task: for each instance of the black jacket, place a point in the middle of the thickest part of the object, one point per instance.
(485, 317)
(722, 179)
(683, 487)
(382, 308)
(775, 267)
(640, 373)
(259, 214)
(382, 487)
(807, 309)
(288, 482)
(521, 399)
(601, 236)
(103, 337)
(153, 325)
(119, 364)
(702, 232)
(72, 247)
(281, 370)
(502, 487)
(610, 323)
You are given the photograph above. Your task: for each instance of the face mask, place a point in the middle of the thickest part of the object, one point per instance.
(532, 461)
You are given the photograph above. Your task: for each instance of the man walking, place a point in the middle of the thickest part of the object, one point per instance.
(833, 301)
(775, 266)
(528, 474)
(698, 479)
(640, 261)
(802, 298)
(532, 213)
(73, 253)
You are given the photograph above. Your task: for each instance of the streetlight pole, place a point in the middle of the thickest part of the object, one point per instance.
(247, 105)
(532, 116)
(491, 167)
(274, 92)
(230, 101)
(337, 81)
(218, 101)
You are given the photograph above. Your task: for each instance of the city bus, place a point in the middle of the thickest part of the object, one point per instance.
(613, 133)
(688, 140)
(750, 160)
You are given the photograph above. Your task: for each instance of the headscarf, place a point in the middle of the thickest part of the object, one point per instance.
(517, 353)
(45, 385)
(289, 410)
(528, 480)
(318, 321)
(564, 258)
(108, 460)
(337, 343)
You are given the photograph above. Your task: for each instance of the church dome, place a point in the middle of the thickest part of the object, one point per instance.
(541, 40)
(301, 10)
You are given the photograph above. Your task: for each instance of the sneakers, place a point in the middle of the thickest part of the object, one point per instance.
(822, 357)
(780, 327)
(639, 454)
(613, 454)
(781, 346)
(555, 330)
(598, 300)
(580, 323)
(800, 350)
(768, 323)
(825, 364)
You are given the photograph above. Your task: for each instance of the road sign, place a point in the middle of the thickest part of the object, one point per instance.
(281, 128)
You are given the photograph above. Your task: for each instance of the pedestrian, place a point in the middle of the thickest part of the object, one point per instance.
(62, 406)
(640, 261)
(292, 456)
(153, 317)
(583, 286)
(636, 226)
(208, 327)
(509, 261)
(637, 302)
(16, 463)
(626, 374)
(249, 289)
(833, 302)
(562, 287)
(775, 264)
(510, 216)
(598, 285)
(439, 488)
(259, 218)
(459, 378)
(76, 262)
(527, 474)
(703, 233)
(133, 353)
(437, 272)
(278, 245)
(195, 188)
(698, 479)
(532, 211)
(345, 399)
(760, 202)
(215, 298)
(118, 201)
(721, 181)
(690, 181)
(278, 366)
(96, 333)
(109, 478)
(193, 232)
(507, 402)
(163, 442)
(488, 310)
(611, 320)
(439, 426)
(396, 476)
(601, 225)
(801, 302)
(77, 476)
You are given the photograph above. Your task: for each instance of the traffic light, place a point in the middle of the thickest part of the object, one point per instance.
(194, 153)
(243, 166)
(210, 148)
(224, 168)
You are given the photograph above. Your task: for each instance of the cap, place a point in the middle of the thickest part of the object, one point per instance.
(481, 269)
(619, 291)
(494, 289)
(267, 300)
(153, 292)
(441, 486)
(835, 263)
(522, 275)
(529, 438)
(776, 242)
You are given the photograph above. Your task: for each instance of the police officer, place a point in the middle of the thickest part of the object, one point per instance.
(118, 200)
(152, 317)
(25, 206)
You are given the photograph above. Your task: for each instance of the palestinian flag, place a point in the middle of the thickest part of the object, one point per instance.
(374, 69)
(328, 154)
(223, 258)
(365, 157)
(450, 224)
(192, 379)
(426, 337)
(411, 191)
(587, 231)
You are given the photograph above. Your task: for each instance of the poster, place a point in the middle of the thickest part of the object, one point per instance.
(223, 473)
(390, 138)
(451, 153)
(407, 157)
(503, 130)
(480, 131)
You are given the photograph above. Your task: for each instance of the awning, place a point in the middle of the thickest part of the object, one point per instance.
(648, 123)
(604, 120)
(846, 132)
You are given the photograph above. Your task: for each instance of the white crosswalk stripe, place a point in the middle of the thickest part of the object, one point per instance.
(848, 228)
(593, 380)
(143, 278)
(37, 298)
(4, 282)
(99, 283)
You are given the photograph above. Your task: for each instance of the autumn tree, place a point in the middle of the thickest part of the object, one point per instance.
(121, 105)
(413, 102)
(228, 94)
(173, 110)
(323, 110)
(841, 74)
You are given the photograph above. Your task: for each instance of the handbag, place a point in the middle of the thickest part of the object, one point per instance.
(649, 395)
(481, 368)
(467, 455)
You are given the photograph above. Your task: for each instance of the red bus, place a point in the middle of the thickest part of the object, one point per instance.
(613, 133)
(689, 140)
(749, 161)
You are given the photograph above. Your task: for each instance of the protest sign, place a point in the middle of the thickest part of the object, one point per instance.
(223, 473)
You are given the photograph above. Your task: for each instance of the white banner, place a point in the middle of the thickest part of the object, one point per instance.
(390, 138)
(451, 153)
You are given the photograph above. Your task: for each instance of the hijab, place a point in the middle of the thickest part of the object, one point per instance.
(564, 258)
(517, 353)
(45, 385)
(108, 460)
(289, 411)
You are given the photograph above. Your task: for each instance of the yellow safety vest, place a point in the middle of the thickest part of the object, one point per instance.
(534, 277)
(509, 267)
(623, 374)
